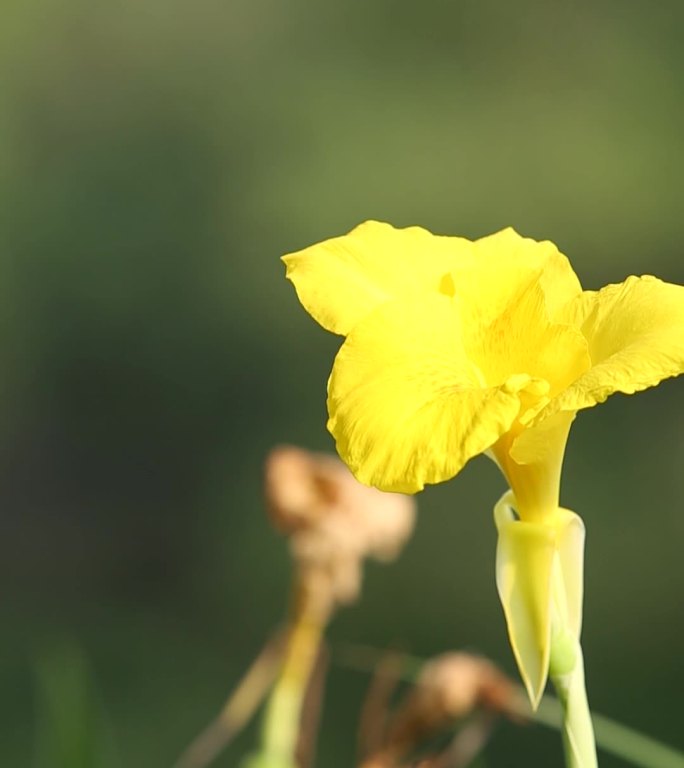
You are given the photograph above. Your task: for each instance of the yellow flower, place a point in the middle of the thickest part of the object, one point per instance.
(455, 348)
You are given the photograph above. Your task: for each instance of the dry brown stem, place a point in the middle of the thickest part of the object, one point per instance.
(239, 708)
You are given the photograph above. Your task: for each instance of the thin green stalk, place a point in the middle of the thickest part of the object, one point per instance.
(577, 728)
(619, 740)
(282, 718)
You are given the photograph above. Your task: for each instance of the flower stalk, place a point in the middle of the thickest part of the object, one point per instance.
(578, 730)
(282, 719)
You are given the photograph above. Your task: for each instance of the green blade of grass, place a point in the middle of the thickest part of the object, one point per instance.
(71, 730)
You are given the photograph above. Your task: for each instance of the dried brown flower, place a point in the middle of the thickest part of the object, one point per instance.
(449, 688)
(333, 521)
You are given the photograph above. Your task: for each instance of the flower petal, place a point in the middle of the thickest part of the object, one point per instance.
(506, 264)
(340, 281)
(407, 406)
(635, 332)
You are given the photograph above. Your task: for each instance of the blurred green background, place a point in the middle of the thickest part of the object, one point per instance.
(156, 159)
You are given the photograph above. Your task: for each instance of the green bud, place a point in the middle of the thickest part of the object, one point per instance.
(563, 654)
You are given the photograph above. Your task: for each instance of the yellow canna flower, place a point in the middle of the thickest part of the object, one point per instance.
(455, 348)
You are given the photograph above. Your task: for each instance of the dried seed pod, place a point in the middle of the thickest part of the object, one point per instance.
(449, 688)
(333, 521)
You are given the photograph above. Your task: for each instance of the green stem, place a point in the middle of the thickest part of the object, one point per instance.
(632, 746)
(578, 730)
(282, 719)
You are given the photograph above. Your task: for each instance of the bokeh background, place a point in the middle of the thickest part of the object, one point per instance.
(156, 159)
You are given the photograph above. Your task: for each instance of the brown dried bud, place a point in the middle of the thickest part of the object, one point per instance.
(333, 520)
(449, 688)
(293, 499)
(455, 683)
